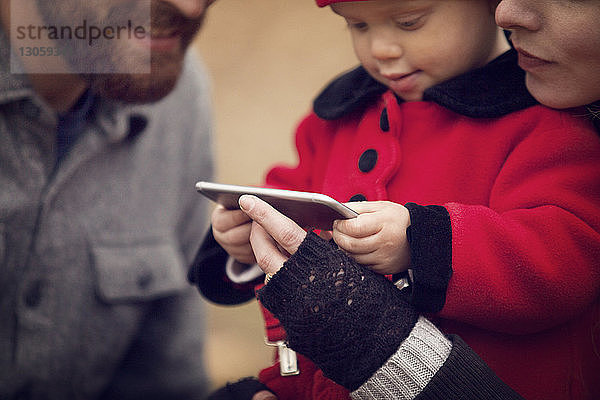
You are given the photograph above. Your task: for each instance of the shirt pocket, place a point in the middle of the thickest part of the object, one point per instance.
(138, 270)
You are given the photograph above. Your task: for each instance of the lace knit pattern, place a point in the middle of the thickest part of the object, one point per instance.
(348, 320)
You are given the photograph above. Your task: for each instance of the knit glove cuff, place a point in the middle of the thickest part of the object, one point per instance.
(345, 318)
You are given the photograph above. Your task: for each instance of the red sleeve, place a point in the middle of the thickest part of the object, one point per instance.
(532, 258)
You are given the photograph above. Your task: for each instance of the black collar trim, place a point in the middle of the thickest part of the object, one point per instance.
(492, 91)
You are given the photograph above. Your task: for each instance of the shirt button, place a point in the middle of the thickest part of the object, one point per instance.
(33, 295)
(358, 197)
(367, 160)
(384, 123)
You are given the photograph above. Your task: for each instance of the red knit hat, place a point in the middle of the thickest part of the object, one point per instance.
(323, 3)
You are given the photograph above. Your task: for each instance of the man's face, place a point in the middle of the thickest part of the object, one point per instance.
(168, 30)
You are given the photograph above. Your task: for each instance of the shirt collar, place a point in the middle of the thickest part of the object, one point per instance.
(120, 121)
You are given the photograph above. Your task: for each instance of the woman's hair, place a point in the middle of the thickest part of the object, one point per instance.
(594, 113)
(594, 109)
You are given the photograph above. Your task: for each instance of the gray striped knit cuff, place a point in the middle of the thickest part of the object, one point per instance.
(411, 368)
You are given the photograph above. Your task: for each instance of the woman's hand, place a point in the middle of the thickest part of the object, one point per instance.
(231, 229)
(377, 237)
(274, 237)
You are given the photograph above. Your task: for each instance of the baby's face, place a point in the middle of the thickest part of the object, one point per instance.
(411, 45)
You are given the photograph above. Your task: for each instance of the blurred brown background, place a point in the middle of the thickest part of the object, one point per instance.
(268, 59)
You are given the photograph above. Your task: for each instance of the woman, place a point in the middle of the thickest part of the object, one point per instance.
(351, 344)
(559, 48)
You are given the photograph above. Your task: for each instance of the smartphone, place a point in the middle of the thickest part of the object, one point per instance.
(307, 209)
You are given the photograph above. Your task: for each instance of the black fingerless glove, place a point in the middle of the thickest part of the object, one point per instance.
(345, 318)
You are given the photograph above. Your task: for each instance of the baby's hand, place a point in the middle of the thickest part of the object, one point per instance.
(231, 229)
(377, 237)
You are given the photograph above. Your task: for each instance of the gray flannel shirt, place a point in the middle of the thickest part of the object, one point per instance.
(94, 301)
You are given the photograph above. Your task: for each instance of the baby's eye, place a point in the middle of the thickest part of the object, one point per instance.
(411, 24)
(358, 26)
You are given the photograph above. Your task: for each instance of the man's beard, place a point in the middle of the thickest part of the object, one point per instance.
(164, 67)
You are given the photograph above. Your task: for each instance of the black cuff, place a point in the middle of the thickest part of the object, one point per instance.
(430, 240)
(243, 389)
(465, 376)
(344, 317)
(208, 273)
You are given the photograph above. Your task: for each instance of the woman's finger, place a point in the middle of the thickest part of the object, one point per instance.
(285, 231)
(264, 395)
(268, 257)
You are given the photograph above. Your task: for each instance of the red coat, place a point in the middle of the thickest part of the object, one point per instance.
(522, 192)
